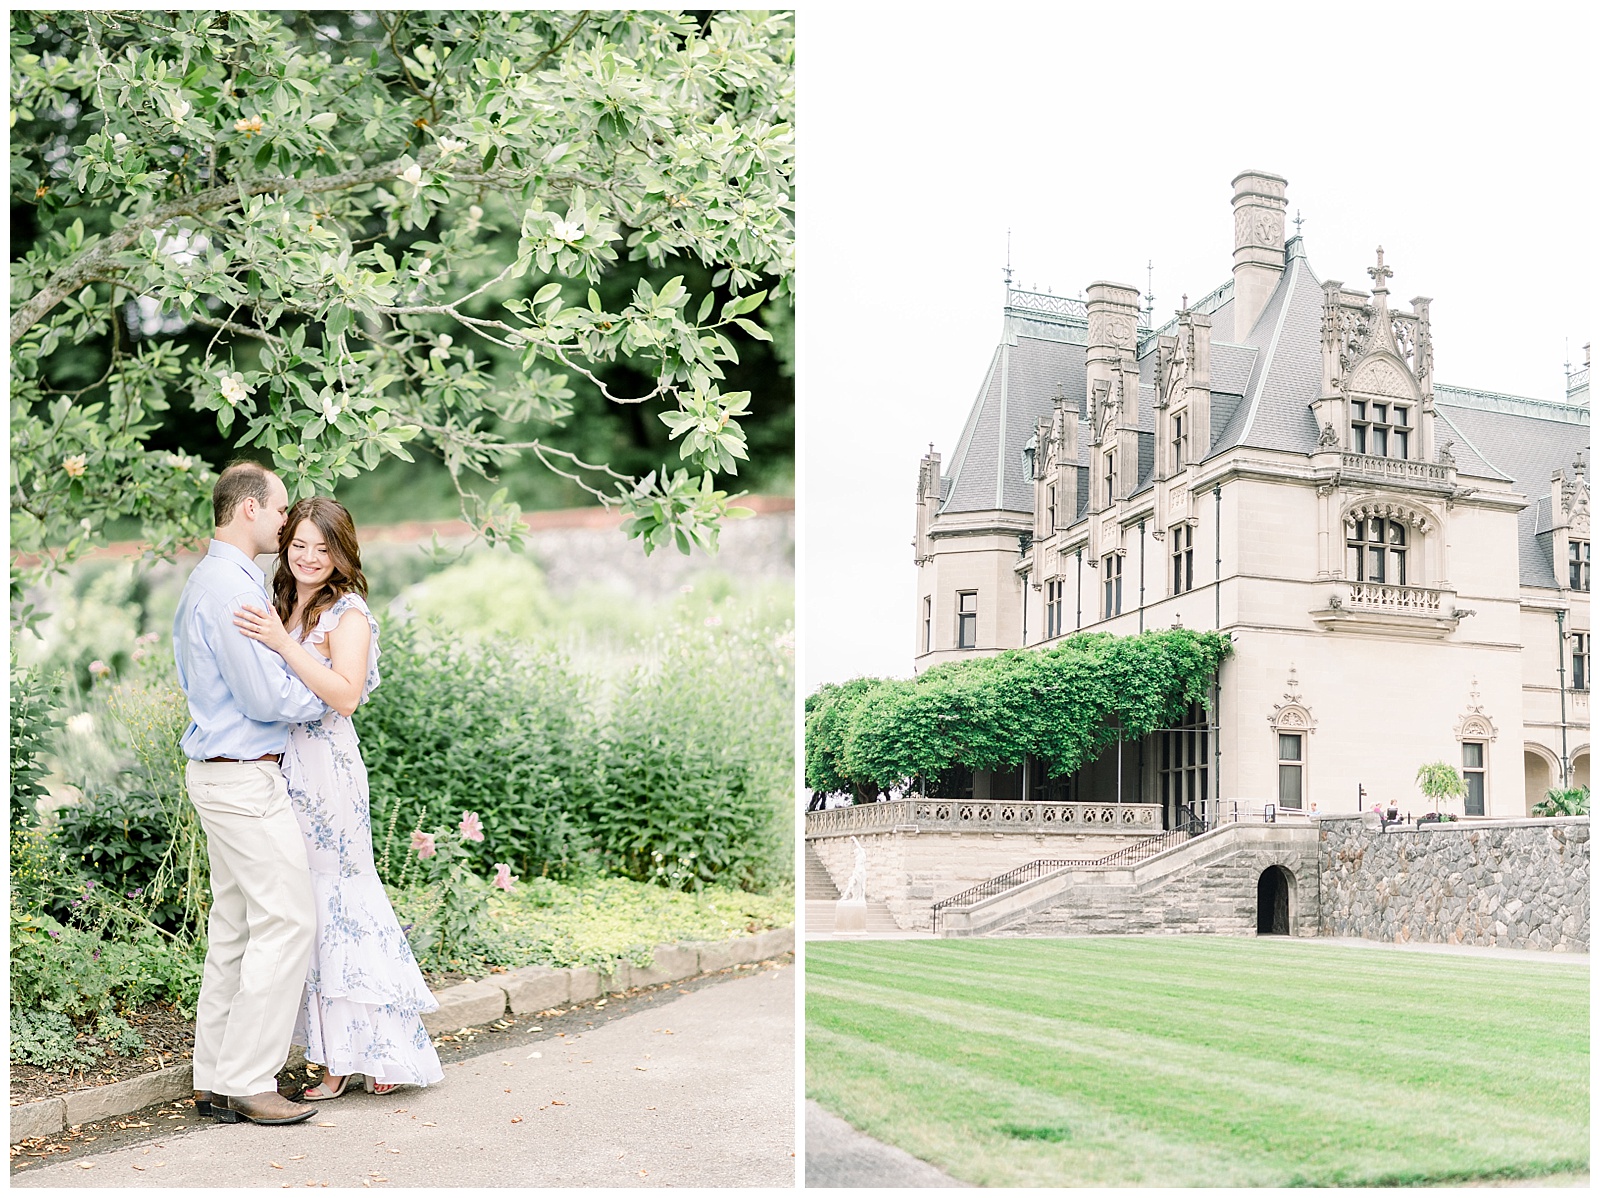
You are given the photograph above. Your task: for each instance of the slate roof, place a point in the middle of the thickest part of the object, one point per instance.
(1529, 441)
(1262, 384)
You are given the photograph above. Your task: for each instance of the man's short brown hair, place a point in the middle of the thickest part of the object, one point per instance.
(238, 481)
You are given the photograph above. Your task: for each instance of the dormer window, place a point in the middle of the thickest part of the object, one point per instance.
(1180, 443)
(1380, 428)
(1578, 565)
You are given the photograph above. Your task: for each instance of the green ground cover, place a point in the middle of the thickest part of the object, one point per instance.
(1231, 1062)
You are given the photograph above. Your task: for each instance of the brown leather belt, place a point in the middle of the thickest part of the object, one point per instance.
(246, 760)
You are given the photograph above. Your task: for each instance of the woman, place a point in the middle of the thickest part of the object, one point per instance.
(364, 993)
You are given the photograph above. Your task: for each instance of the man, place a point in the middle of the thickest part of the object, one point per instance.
(241, 701)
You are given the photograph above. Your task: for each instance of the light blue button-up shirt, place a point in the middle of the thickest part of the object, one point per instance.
(242, 697)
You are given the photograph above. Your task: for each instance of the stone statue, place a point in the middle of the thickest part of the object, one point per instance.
(855, 889)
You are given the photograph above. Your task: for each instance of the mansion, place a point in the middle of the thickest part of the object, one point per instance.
(1403, 565)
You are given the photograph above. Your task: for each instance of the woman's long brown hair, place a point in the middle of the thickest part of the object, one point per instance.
(344, 551)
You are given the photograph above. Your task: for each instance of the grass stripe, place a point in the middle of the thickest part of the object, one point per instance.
(1217, 1061)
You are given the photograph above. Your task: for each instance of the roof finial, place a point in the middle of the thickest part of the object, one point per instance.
(1149, 292)
(1380, 273)
(1008, 259)
(1566, 352)
(1297, 222)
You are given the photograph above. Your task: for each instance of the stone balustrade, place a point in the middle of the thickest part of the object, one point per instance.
(1377, 596)
(1394, 469)
(986, 815)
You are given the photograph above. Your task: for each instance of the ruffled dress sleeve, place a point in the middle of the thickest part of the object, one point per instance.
(330, 620)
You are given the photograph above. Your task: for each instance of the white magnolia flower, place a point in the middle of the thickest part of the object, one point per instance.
(233, 388)
(330, 408)
(450, 145)
(412, 174)
(475, 212)
(568, 231)
(442, 350)
(75, 465)
(180, 109)
(179, 461)
(422, 265)
(120, 139)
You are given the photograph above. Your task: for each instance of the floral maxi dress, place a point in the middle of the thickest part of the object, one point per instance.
(364, 995)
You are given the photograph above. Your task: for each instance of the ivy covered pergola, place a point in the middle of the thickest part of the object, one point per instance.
(1064, 706)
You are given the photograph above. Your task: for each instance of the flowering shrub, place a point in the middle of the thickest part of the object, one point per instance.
(504, 729)
(450, 899)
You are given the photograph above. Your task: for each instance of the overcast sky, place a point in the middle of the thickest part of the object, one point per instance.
(1104, 141)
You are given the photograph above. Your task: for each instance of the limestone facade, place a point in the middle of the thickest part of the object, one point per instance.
(1403, 565)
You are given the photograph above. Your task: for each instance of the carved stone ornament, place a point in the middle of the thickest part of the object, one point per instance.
(1446, 458)
(1380, 377)
(1412, 517)
(1474, 724)
(1329, 438)
(1292, 715)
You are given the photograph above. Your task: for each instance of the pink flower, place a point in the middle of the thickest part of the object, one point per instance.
(422, 844)
(99, 668)
(471, 829)
(503, 877)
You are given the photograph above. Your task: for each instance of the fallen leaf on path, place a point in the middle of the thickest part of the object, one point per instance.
(641, 1069)
(327, 1125)
(533, 1055)
(430, 1125)
(274, 1164)
(642, 1173)
(301, 1157)
(557, 1102)
(505, 1091)
(395, 1150)
(649, 1108)
(86, 1164)
(516, 1118)
(140, 1168)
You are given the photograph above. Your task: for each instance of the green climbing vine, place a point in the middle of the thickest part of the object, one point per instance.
(1065, 705)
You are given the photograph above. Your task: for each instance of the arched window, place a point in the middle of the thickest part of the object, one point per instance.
(1377, 551)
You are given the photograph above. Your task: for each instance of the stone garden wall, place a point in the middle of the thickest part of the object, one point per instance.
(1506, 883)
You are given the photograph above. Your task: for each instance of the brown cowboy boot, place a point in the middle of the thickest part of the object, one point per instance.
(205, 1103)
(267, 1107)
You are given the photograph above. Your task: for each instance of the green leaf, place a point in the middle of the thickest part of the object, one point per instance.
(755, 330)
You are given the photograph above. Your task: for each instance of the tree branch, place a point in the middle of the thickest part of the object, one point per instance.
(74, 274)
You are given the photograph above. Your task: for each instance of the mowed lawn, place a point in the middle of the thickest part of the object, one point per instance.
(1168, 1061)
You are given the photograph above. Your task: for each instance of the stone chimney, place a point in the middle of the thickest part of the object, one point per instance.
(1258, 211)
(1112, 378)
(928, 494)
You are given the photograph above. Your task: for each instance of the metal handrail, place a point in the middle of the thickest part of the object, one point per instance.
(1033, 870)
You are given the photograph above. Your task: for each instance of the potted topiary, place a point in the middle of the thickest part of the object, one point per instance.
(1439, 780)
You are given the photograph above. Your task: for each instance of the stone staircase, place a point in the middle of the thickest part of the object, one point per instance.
(1203, 884)
(819, 884)
(819, 918)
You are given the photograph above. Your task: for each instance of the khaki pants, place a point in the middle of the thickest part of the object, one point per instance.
(262, 927)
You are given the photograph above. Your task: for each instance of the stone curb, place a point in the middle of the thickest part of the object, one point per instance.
(468, 1004)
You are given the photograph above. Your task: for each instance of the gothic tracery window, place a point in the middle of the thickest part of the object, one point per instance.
(1377, 551)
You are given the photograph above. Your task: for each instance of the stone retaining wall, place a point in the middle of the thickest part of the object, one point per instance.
(1505, 883)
